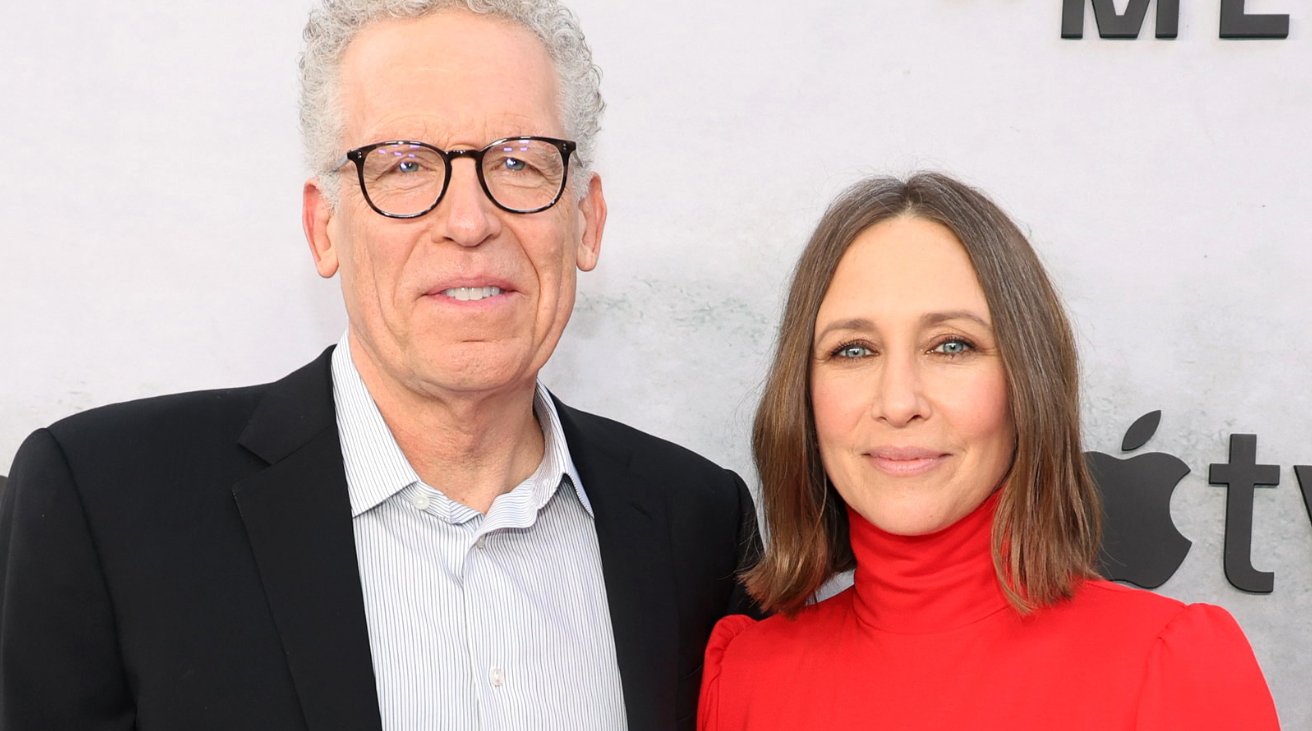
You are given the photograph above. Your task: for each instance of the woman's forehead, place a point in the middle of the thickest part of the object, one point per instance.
(905, 268)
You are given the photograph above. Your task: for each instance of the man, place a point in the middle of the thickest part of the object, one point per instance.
(409, 532)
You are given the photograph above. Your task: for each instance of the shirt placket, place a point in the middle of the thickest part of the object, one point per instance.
(485, 628)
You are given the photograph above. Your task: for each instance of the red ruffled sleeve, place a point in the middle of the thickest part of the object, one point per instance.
(708, 707)
(1202, 676)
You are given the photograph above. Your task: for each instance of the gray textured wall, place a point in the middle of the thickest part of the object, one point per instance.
(150, 241)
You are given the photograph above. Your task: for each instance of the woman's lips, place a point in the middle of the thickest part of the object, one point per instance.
(905, 461)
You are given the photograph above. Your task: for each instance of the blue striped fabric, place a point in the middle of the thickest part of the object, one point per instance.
(495, 621)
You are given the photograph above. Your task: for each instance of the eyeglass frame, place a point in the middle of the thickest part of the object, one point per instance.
(358, 155)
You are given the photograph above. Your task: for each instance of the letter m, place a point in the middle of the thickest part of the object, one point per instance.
(1112, 24)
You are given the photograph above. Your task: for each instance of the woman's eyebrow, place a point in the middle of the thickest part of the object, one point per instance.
(934, 318)
(851, 323)
(926, 320)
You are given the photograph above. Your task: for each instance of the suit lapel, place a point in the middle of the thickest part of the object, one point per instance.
(636, 565)
(298, 517)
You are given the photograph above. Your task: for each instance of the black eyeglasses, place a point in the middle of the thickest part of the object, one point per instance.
(406, 179)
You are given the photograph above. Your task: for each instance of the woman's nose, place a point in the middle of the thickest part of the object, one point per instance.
(899, 397)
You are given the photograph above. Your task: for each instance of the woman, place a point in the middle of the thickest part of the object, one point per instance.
(921, 425)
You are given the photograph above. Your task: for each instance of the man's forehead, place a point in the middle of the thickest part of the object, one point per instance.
(453, 128)
(449, 74)
(442, 45)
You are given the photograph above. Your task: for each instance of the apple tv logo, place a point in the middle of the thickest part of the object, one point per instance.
(1141, 544)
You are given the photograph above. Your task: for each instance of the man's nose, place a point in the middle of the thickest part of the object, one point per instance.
(899, 397)
(466, 215)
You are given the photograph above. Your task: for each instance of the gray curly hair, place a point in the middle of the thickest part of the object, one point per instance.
(335, 23)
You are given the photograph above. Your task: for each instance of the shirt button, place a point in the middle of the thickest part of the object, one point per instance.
(497, 676)
(479, 543)
(420, 502)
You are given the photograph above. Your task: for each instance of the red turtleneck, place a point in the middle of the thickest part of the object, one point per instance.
(925, 639)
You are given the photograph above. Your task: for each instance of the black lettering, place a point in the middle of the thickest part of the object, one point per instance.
(1240, 476)
(1235, 23)
(1119, 25)
(1304, 475)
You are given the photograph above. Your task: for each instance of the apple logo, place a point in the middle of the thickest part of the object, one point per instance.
(1140, 543)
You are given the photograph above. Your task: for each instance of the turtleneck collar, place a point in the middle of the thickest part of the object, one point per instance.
(930, 583)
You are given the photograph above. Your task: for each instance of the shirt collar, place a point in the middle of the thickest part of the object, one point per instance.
(376, 469)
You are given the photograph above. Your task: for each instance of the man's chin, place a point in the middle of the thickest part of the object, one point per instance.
(474, 369)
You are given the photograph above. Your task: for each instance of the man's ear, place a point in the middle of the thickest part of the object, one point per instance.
(592, 208)
(316, 214)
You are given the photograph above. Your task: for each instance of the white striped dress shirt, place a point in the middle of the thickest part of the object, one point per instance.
(495, 621)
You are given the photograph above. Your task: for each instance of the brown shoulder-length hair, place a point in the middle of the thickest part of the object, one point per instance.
(1046, 530)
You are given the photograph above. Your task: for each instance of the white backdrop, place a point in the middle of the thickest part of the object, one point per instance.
(150, 238)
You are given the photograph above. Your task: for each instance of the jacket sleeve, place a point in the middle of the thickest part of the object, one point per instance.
(1202, 676)
(60, 666)
(749, 551)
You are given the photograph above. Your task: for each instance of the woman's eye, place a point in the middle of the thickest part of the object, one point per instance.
(953, 347)
(852, 351)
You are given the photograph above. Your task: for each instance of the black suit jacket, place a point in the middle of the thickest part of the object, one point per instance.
(187, 563)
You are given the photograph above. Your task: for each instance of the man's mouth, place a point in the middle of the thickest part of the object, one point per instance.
(471, 294)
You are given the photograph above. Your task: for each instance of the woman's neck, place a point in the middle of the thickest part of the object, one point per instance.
(928, 583)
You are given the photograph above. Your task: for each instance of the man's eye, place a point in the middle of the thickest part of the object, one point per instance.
(409, 166)
(514, 165)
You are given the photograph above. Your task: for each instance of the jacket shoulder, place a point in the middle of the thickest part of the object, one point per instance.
(155, 412)
(644, 447)
(187, 430)
(174, 417)
(157, 422)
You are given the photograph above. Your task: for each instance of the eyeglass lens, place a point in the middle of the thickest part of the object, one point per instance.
(521, 175)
